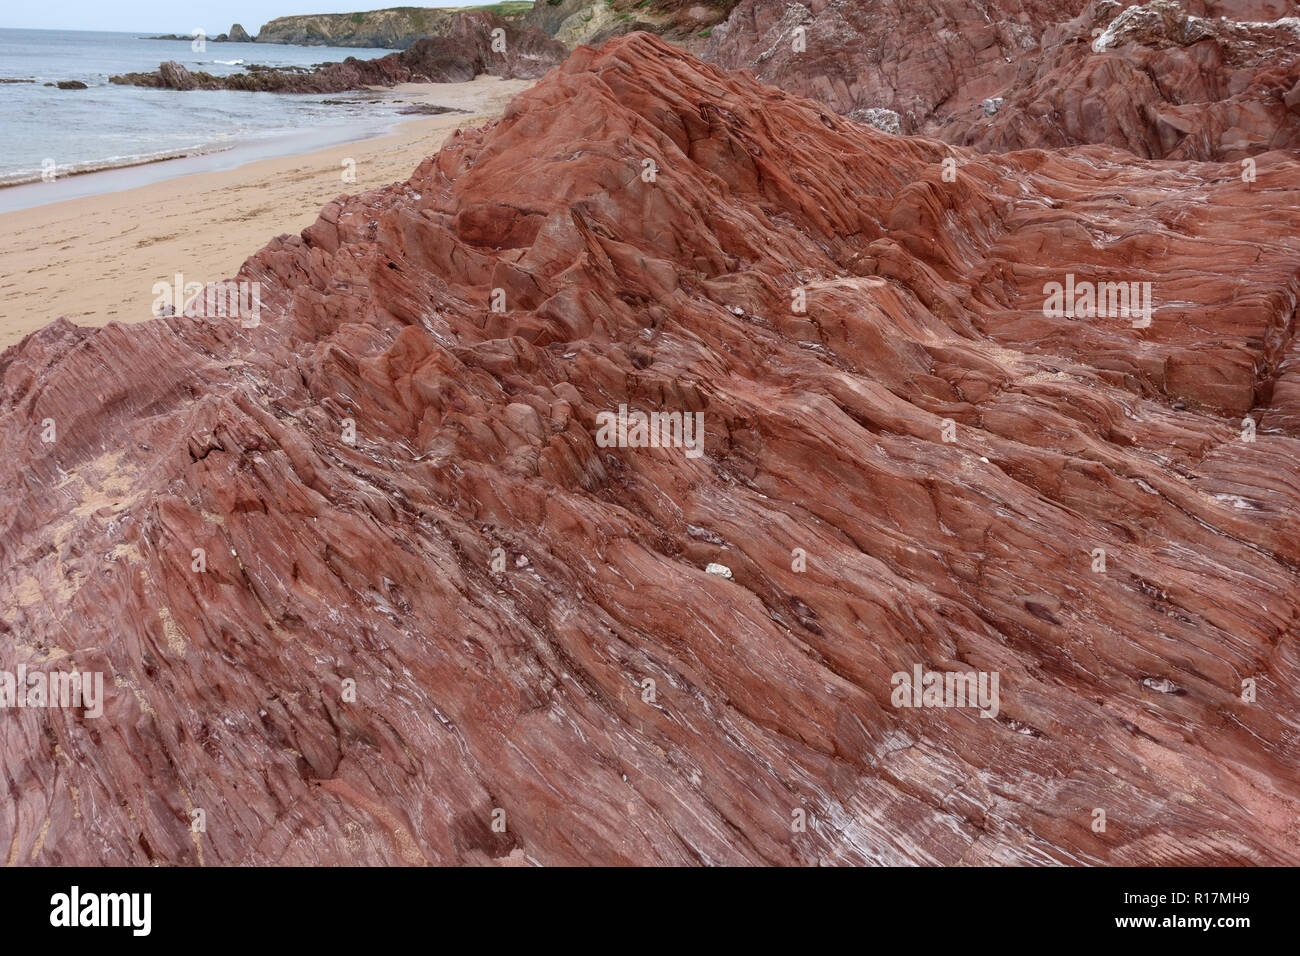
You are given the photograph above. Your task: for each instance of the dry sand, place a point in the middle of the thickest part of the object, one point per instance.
(95, 260)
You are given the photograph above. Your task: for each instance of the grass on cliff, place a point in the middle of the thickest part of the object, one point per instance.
(422, 19)
(505, 8)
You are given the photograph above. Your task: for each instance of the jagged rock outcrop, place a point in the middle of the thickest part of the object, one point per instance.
(467, 50)
(1162, 79)
(395, 28)
(237, 34)
(685, 23)
(549, 15)
(439, 621)
(173, 76)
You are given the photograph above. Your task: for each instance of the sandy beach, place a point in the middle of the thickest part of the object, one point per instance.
(95, 259)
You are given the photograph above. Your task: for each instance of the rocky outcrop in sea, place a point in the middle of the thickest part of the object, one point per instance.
(237, 34)
(470, 47)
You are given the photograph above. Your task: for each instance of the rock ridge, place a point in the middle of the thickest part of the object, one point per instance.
(437, 622)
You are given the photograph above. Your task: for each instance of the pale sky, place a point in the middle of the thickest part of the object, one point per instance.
(168, 16)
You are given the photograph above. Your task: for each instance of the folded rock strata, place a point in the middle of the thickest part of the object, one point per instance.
(1201, 80)
(394, 484)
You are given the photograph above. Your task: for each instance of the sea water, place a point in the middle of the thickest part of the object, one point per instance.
(45, 128)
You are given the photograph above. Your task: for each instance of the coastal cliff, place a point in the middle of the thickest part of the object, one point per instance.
(395, 28)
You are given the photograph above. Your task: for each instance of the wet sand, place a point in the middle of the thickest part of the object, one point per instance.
(95, 259)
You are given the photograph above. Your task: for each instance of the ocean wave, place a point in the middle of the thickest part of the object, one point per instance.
(23, 176)
(228, 62)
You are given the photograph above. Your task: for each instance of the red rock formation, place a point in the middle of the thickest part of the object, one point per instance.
(501, 588)
(466, 51)
(1015, 74)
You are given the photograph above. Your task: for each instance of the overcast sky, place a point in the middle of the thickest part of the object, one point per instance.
(168, 16)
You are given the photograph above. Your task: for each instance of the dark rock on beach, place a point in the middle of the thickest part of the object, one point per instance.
(427, 109)
(465, 52)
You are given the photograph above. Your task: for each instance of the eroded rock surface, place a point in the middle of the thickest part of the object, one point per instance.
(1163, 79)
(684, 23)
(394, 484)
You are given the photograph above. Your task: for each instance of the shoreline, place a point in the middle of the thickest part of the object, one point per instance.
(107, 166)
(143, 170)
(95, 258)
(73, 185)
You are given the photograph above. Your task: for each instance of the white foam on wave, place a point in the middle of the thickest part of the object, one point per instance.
(64, 170)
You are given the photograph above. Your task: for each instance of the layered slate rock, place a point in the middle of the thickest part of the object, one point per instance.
(394, 480)
(1163, 79)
